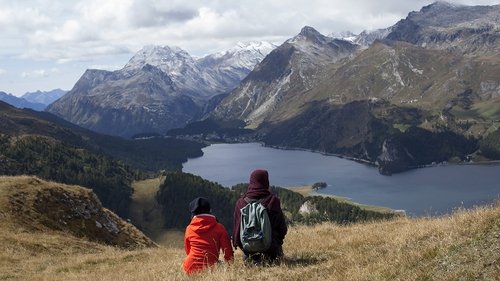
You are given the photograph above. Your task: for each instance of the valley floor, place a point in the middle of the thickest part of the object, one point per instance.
(463, 246)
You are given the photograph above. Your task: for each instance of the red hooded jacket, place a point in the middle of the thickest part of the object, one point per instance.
(203, 241)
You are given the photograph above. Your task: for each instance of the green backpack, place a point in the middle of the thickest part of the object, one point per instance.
(255, 227)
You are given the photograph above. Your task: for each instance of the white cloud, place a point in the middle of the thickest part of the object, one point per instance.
(69, 30)
(38, 73)
(109, 67)
(21, 18)
(3, 71)
(90, 31)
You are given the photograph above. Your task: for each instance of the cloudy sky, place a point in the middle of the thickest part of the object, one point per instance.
(48, 44)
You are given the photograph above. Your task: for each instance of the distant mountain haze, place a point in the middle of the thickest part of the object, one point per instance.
(44, 97)
(36, 100)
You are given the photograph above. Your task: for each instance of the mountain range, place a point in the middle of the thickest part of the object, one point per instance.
(34, 100)
(374, 96)
(423, 93)
(160, 88)
(20, 102)
(44, 97)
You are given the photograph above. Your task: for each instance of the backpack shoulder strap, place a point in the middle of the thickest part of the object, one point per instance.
(248, 200)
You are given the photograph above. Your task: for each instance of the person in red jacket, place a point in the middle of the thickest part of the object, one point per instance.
(205, 237)
(258, 188)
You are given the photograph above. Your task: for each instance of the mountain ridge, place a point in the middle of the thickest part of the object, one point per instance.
(287, 72)
(21, 102)
(44, 97)
(164, 85)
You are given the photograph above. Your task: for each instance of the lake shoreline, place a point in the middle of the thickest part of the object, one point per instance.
(421, 192)
(374, 164)
(309, 191)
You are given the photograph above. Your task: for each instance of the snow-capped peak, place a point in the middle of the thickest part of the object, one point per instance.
(257, 47)
(242, 55)
(167, 58)
(344, 35)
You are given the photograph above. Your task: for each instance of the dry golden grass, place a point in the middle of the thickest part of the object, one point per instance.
(464, 246)
(145, 212)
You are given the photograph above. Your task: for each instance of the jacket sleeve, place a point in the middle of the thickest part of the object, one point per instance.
(279, 223)
(187, 244)
(225, 243)
(236, 226)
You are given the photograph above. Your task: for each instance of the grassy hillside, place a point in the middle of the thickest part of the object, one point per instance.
(31, 206)
(464, 246)
(145, 154)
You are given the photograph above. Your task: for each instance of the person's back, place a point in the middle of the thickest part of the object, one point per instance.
(204, 239)
(258, 189)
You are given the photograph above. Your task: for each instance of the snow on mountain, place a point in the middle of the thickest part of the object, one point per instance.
(279, 80)
(172, 60)
(160, 88)
(364, 39)
(202, 77)
(228, 68)
(344, 35)
(243, 55)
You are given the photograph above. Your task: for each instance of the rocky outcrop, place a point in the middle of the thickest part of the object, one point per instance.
(393, 158)
(38, 205)
(308, 208)
(442, 25)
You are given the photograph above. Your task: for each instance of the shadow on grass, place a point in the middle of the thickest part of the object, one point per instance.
(303, 260)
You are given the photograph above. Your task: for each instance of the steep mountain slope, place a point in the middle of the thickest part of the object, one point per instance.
(125, 103)
(405, 74)
(467, 29)
(158, 89)
(151, 154)
(278, 85)
(230, 67)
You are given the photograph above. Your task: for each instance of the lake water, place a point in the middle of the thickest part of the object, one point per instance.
(426, 191)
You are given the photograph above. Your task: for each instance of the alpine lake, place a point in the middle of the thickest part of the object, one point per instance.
(429, 191)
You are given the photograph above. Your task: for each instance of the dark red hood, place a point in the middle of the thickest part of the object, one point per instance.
(259, 185)
(258, 188)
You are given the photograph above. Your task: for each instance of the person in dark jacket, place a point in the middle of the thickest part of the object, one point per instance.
(258, 189)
